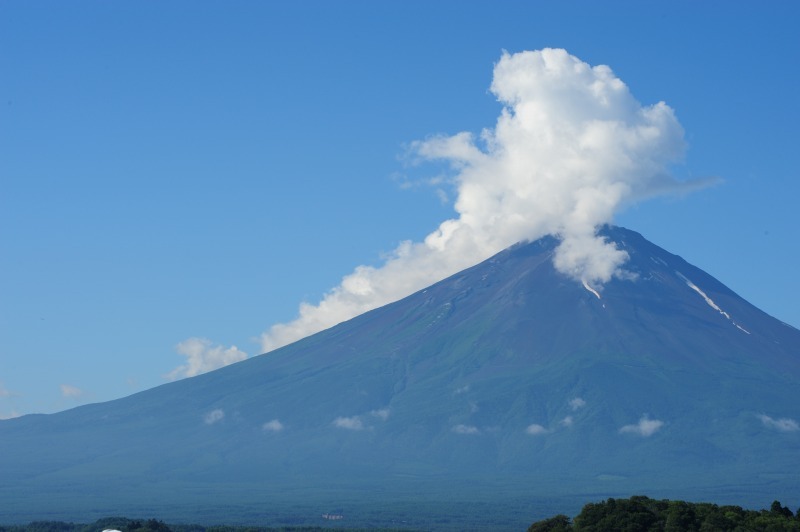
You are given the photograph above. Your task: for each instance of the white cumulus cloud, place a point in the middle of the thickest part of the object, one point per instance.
(571, 147)
(70, 392)
(202, 356)
(536, 430)
(214, 416)
(272, 426)
(349, 423)
(466, 429)
(645, 427)
(783, 424)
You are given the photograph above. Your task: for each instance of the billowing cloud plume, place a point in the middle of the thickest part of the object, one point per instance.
(214, 416)
(570, 148)
(202, 356)
(70, 392)
(645, 427)
(783, 424)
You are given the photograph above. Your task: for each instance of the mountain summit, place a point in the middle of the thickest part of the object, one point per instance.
(505, 382)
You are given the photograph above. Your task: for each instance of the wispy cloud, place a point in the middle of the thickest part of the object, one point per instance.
(70, 392)
(4, 392)
(566, 422)
(203, 356)
(272, 426)
(382, 414)
(349, 423)
(214, 416)
(571, 147)
(466, 429)
(646, 427)
(577, 403)
(783, 424)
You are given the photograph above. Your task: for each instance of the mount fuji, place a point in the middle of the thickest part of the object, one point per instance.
(506, 388)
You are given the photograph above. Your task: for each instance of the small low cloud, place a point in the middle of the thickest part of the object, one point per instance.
(70, 392)
(536, 430)
(577, 404)
(349, 423)
(462, 389)
(382, 414)
(783, 424)
(203, 356)
(466, 429)
(215, 416)
(5, 393)
(272, 426)
(566, 422)
(646, 427)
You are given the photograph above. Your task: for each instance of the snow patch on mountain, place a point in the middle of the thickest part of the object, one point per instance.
(658, 260)
(590, 289)
(710, 301)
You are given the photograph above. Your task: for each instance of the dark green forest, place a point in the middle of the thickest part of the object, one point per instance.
(642, 514)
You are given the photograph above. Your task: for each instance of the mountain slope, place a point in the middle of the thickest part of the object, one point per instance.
(505, 380)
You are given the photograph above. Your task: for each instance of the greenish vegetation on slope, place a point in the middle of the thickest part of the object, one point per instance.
(124, 524)
(642, 514)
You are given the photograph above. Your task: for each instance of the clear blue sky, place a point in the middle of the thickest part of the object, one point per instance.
(197, 169)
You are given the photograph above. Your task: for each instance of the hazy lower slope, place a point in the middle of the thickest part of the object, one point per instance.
(505, 379)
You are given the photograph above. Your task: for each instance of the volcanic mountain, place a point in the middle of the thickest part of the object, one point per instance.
(506, 386)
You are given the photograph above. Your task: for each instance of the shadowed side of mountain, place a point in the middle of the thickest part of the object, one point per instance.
(505, 380)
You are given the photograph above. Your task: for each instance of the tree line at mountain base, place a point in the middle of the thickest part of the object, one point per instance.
(642, 514)
(125, 524)
(638, 513)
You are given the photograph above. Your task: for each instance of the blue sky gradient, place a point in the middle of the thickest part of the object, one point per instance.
(197, 169)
